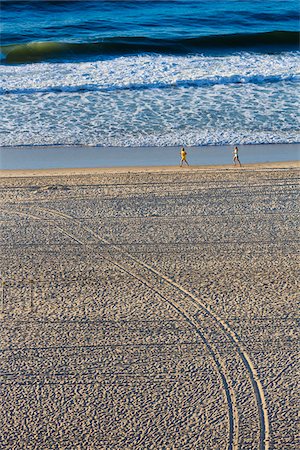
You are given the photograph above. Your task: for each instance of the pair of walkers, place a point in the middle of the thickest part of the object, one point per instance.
(235, 157)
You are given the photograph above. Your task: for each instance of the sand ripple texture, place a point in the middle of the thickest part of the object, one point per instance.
(150, 311)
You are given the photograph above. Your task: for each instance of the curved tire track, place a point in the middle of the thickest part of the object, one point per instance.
(196, 324)
(245, 357)
(192, 321)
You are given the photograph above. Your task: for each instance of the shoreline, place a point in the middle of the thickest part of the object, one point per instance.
(74, 157)
(57, 172)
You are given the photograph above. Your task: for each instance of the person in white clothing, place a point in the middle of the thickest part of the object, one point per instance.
(236, 156)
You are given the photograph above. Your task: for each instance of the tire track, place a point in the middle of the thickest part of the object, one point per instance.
(192, 321)
(196, 324)
(245, 357)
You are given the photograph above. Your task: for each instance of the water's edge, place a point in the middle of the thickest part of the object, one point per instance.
(28, 157)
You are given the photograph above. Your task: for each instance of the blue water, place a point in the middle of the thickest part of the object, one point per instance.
(149, 73)
(91, 21)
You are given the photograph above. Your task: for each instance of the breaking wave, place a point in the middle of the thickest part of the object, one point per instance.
(116, 46)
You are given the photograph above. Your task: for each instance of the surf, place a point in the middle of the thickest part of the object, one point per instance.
(31, 52)
(150, 72)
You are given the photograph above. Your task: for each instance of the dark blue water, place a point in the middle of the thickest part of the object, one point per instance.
(134, 27)
(149, 73)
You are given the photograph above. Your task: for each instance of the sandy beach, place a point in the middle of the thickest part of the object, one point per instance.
(150, 308)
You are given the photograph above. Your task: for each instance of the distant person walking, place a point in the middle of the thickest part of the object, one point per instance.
(183, 157)
(236, 156)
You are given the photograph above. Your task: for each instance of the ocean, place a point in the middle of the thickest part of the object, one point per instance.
(149, 73)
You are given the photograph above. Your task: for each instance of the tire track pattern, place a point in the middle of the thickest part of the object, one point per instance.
(221, 369)
(247, 410)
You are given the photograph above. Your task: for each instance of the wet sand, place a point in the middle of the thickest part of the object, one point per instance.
(53, 157)
(150, 308)
(66, 172)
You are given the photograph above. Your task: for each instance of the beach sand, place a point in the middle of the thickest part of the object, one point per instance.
(150, 308)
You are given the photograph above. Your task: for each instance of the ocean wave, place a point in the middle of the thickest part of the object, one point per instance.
(150, 72)
(116, 46)
(234, 79)
(241, 113)
(191, 139)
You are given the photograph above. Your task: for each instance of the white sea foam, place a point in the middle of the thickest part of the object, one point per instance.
(144, 72)
(153, 100)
